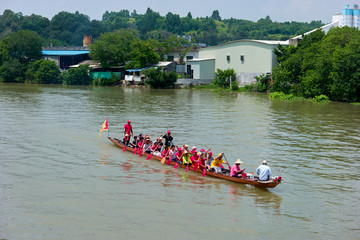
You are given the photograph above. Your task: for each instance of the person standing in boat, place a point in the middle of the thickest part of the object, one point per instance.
(236, 171)
(264, 171)
(128, 129)
(168, 140)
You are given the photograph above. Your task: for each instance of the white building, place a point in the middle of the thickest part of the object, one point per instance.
(249, 58)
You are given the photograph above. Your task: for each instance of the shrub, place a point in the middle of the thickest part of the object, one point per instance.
(114, 80)
(43, 72)
(321, 98)
(77, 76)
(159, 79)
(223, 77)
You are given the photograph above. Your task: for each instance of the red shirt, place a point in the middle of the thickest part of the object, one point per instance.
(178, 155)
(128, 128)
(195, 158)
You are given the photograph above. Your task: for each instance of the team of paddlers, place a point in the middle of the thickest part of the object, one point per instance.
(204, 160)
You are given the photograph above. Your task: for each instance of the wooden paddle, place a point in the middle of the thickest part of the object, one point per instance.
(227, 162)
(164, 158)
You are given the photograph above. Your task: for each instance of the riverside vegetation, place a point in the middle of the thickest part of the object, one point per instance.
(322, 67)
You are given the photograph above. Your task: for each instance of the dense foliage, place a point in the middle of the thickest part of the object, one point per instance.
(321, 65)
(68, 29)
(223, 77)
(77, 76)
(17, 51)
(157, 78)
(43, 72)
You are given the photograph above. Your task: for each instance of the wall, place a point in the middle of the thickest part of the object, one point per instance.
(258, 57)
(202, 68)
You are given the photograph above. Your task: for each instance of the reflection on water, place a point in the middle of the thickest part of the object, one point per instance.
(59, 181)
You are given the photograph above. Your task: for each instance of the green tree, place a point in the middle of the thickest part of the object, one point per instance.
(113, 49)
(24, 45)
(180, 46)
(321, 65)
(148, 22)
(43, 72)
(223, 77)
(69, 27)
(77, 76)
(156, 78)
(10, 21)
(116, 20)
(142, 55)
(173, 23)
(216, 15)
(11, 70)
(35, 23)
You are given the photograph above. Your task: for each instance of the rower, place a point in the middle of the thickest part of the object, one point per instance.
(216, 165)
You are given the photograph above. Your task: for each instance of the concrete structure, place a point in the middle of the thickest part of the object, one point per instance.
(249, 58)
(64, 57)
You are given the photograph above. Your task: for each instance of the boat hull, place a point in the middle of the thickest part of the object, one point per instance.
(254, 182)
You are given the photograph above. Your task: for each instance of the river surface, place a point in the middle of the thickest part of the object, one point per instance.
(58, 180)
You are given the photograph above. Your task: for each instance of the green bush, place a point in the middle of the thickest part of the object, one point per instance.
(43, 72)
(262, 83)
(321, 98)
(114, 80)
(156, 78)
(282, 96)
(77, 76)
(223, 77)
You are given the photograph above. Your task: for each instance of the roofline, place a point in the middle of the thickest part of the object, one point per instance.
(266, 42)
(200, 59)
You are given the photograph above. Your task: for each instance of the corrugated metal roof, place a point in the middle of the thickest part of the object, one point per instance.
(63, 52)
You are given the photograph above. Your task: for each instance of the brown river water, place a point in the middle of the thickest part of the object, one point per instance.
(58, 180)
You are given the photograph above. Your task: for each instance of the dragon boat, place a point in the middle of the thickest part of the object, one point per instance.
(271, 183)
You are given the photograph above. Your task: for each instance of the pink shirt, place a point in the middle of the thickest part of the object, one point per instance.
(234, 169)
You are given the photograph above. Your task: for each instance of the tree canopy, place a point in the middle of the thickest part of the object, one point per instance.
(68, 29)
(321, 65)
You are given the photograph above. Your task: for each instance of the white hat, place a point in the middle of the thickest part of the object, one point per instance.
(238, 161)
(193, 147)
(264, 162)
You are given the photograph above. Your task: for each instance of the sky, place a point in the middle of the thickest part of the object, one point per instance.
(278, 10)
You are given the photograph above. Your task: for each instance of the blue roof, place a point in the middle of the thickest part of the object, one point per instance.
(136, 70)
(64, 52)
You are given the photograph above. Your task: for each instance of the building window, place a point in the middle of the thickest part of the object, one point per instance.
(170, 58)
(189, 57)
(242, 58)
(228, 58)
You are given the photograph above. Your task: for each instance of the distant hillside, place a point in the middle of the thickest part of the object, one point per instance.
(68, 29)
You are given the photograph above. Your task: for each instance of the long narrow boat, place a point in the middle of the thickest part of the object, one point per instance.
(264, 184)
